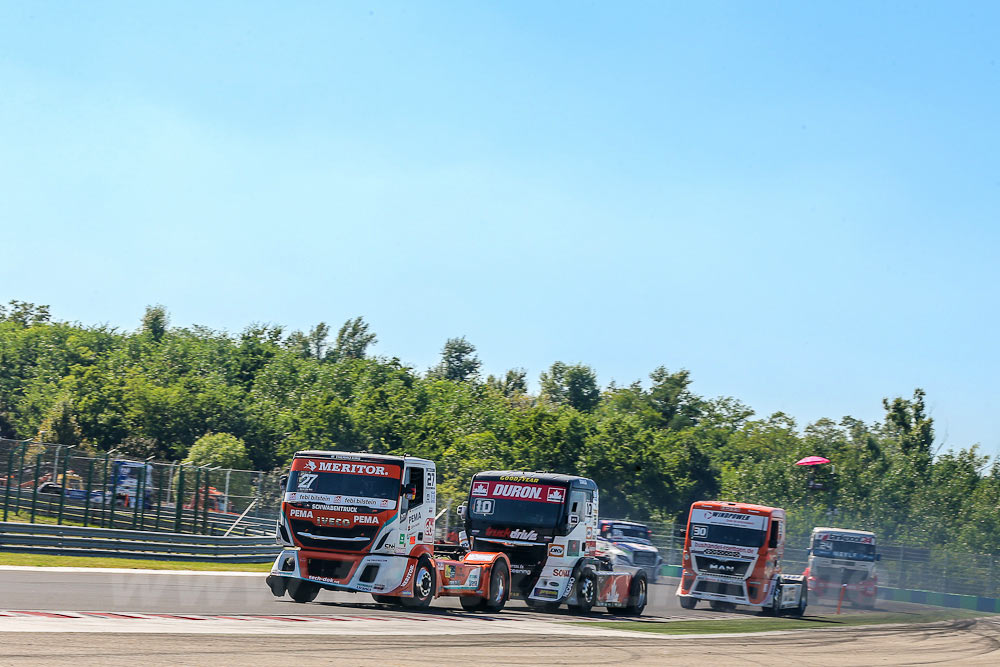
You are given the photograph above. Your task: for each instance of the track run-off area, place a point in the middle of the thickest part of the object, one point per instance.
(96, 616)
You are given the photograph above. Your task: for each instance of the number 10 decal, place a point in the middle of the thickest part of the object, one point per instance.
(483, 506)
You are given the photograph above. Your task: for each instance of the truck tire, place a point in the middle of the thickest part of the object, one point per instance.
(800, 611)
(688, 602)
(499, 587)
(775, 608)
(386, 599)
(423, 586)
(302, 591)
(586, 592)
(638, 592)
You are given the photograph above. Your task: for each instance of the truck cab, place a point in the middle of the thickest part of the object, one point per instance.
(357, 522)
(732, 556)
(630, 543)
(843, 559)
(546, 526)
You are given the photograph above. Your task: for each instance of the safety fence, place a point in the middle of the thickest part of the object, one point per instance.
(58, 484)
(79, 541)
(903, 567)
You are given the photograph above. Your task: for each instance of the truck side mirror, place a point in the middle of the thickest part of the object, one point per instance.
(283, 481)
(461, 511)
(411, 492)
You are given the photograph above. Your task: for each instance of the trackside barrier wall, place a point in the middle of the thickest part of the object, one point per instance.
(80, 541)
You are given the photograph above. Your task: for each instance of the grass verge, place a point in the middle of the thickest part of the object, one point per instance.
(128, 563)
(766, 624)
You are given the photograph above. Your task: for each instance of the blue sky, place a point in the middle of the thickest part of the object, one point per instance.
(796, 201)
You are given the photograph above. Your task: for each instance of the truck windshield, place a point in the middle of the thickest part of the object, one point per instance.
(847, 550)
(342, 489)
(732, 535)
(516, 504)
(620, 532)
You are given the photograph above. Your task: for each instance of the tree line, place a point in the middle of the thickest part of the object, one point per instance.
(252, 399)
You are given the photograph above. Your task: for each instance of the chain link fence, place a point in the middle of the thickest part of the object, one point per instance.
(48, 483)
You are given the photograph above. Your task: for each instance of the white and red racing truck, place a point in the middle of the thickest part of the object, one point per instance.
(732, 555)
(843, 561)
(545, 525)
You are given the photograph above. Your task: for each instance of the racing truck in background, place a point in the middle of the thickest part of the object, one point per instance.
(732, 556)
(629, 543)
(365, 523)
(545, 524)
(840, 558)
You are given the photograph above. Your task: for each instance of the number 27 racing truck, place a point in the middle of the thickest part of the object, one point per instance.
(545, 524)
(732, 555)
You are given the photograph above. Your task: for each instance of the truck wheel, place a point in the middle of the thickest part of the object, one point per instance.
(775, 608)
(688, 602)
(386, 599)
(499, 587)
(800, 611)
(302, 591)
(586, 592)
(423, 586)
(472, 602)
(637, 591)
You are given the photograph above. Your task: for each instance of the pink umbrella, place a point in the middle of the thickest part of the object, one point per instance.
(811, 461)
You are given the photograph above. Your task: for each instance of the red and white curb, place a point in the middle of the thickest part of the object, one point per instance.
(307, 624)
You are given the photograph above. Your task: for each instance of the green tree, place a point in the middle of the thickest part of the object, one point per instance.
(59, 426)
(155, 322)
(353, 339)
(512, 384)
(458, 361)
(218, 449)
(574, 385)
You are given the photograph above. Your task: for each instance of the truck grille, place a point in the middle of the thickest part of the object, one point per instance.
(731, 568)
(643, 558)
(331, 569)
(311, 536)
(719, 588)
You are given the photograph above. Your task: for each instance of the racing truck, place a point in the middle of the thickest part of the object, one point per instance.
(843, 559)
(364, 523)
(732, 556)
(545, 524)
(630, 543)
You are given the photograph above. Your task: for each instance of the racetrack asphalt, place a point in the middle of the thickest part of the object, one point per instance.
(232, 619)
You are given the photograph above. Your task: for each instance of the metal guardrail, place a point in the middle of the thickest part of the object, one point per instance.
(80, 541)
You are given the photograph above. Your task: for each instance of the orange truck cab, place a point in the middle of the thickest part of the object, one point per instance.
(732, 556)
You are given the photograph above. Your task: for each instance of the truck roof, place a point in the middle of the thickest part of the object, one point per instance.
(356, 456)
(848, 531)
(542, 477)
(738, 507)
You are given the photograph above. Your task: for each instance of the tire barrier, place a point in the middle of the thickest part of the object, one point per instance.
(80, 541)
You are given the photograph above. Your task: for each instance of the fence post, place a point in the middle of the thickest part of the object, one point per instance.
(10, 479)
(159, 499)
(260, 494)
(179, 498)
(194, 500)
(115, 474)
(20, 475)
(62, 493)
(140, 487)
(34, 492)
(104, 489)
(204, 502)
(90, 485)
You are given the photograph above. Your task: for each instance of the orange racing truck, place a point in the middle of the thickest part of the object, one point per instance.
(364, 523)
(732, 555)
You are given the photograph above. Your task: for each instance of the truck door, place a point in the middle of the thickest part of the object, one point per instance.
(416, 519)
